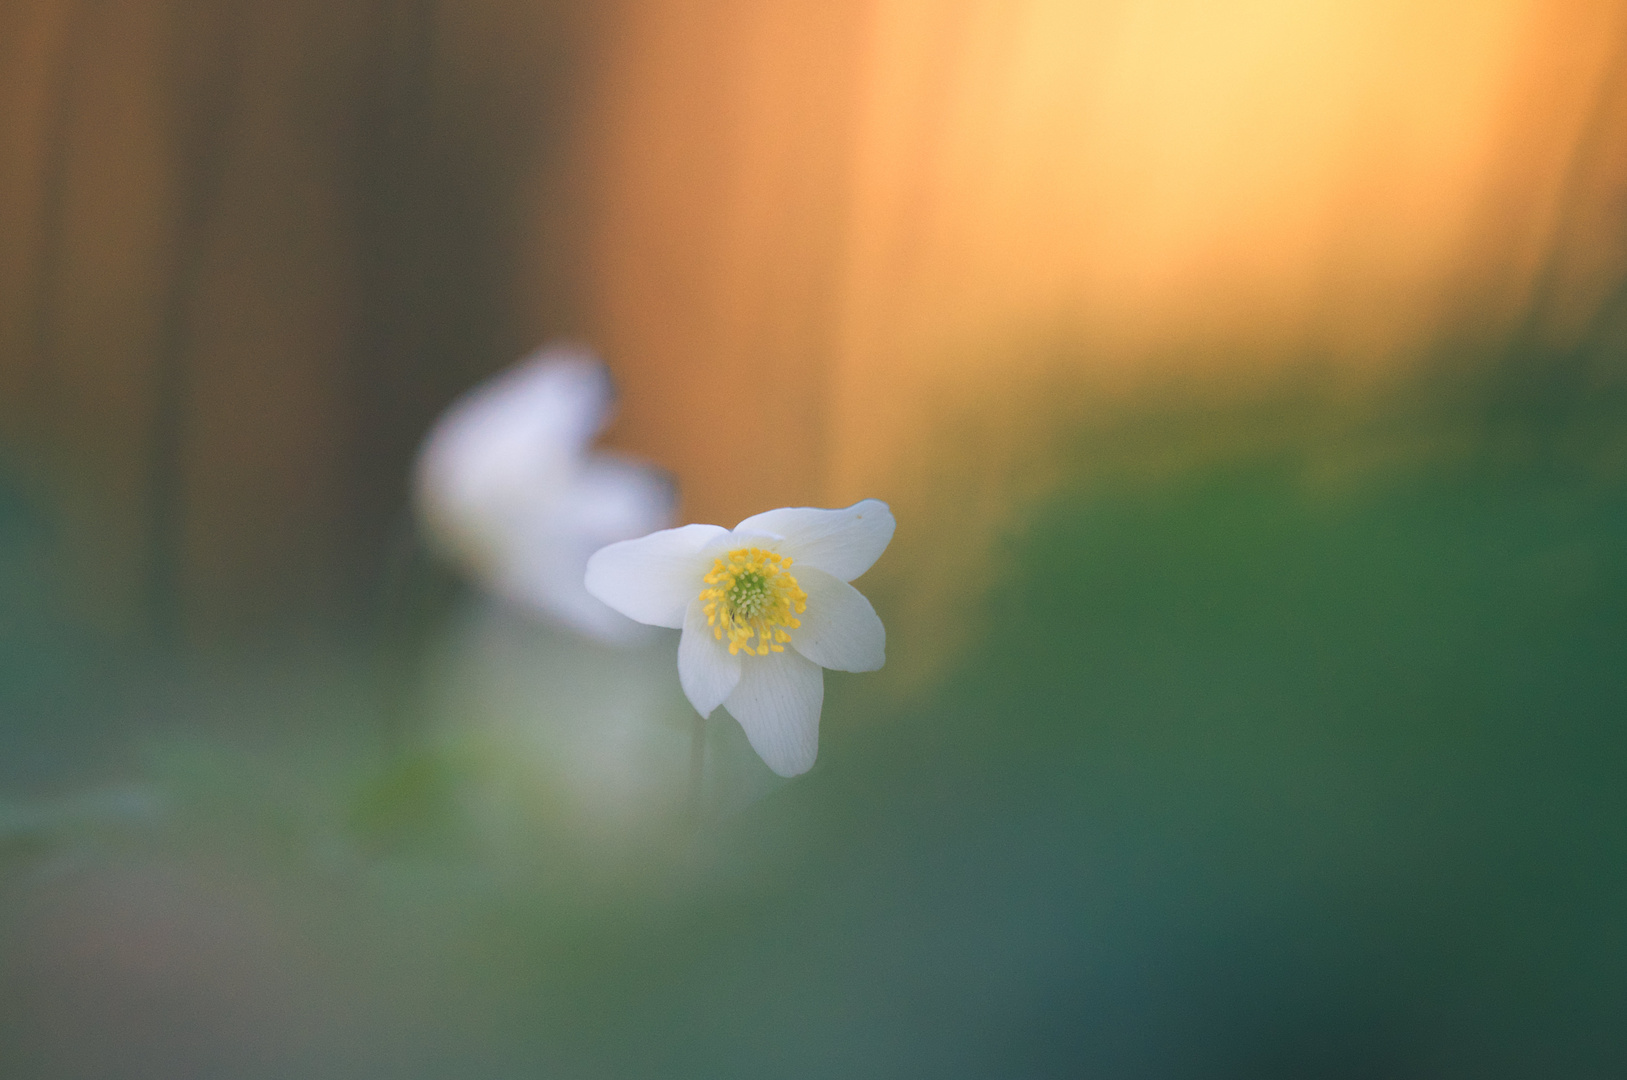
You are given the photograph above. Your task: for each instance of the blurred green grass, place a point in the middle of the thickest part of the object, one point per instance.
(1257, 766)
(1244, 778)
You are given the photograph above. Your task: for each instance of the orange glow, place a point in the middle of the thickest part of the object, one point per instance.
(882, 249)
(832, 248)
(863, 215)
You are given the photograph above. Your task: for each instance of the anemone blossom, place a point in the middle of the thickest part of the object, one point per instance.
(764, 609)
(508, 488)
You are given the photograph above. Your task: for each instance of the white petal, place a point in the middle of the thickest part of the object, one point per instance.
(546, 576)
(541, 561)
(840, 629)
(706, 670)
(514, 437)
(560, 394)
(507, 456)
(845, 543)
(611, 499)
(653, 579)
(778, 702)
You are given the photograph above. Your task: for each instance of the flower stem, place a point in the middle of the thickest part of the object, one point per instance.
(697, 771)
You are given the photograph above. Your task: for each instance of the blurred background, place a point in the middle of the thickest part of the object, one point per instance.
(1249, 381)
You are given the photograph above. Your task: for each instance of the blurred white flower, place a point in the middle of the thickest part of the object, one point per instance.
(741, 596)
(507, 487)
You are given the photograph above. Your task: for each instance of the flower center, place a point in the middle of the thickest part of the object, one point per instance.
(753, 595)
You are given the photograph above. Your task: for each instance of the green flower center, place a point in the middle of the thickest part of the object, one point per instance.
(753, 595)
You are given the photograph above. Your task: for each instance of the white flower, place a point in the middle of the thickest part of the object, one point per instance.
(507, 488)
(763, 608)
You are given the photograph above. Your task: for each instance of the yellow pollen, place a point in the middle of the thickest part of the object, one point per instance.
(753, 595)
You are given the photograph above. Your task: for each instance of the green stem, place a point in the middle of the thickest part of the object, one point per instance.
(697, 771)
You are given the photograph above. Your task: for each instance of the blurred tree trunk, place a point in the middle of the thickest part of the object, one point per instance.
(248, 250)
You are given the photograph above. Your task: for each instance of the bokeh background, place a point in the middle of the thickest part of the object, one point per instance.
(1249, 380)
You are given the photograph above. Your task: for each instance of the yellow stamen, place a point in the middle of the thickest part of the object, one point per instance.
(753, 594)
